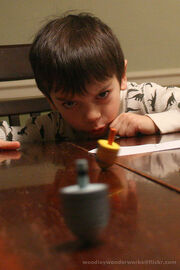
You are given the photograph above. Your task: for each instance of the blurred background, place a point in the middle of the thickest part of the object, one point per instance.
(148, 30)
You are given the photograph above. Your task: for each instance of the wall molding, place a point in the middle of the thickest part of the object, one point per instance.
(22, 89)
(27, 88)
(164, 77)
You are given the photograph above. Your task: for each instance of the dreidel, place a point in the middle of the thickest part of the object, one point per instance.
(107, 150)
(85, 206)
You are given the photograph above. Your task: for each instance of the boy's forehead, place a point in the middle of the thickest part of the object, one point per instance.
(90, 89)
(96, 85)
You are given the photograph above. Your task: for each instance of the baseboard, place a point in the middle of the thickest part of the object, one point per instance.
(22, 89)
(164, 77)
(28, 89)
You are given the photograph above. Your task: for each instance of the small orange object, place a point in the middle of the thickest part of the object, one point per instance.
(111, 137)
(107, 150)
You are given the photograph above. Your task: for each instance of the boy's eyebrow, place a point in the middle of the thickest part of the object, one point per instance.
(105, 86)
(101, 88)
(64, 98)
(61, 99)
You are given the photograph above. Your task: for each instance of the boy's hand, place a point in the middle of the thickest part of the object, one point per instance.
(129, 124)
(9, 145)
(9, 155)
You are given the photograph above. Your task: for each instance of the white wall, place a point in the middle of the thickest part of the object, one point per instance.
(148, 29)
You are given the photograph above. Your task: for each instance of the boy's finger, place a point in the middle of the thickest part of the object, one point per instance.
(113, 123)
(116, 122)
(6, 145)
(8, 155)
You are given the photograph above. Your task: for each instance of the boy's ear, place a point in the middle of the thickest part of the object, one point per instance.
(124, 77)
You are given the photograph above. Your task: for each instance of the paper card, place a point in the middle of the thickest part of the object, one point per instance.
(145, 148)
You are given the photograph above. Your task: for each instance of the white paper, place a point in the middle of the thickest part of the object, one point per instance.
(145, 148)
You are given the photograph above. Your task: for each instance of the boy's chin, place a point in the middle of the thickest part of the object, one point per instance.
(97, 135)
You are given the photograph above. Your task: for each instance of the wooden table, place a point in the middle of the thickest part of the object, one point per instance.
(143, 230)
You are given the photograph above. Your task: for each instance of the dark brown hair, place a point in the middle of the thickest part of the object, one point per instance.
(74, 50)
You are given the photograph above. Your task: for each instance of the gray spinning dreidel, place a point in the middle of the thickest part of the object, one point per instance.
(85, 205)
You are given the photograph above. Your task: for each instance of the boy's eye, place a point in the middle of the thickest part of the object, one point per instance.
(103, 94)
(69, 104)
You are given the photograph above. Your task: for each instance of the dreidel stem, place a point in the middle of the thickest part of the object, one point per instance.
(111, 137)
(82, 173)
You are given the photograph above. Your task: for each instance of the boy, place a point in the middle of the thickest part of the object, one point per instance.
(79, 66)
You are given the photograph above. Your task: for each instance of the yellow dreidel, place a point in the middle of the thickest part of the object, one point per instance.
(107, 150)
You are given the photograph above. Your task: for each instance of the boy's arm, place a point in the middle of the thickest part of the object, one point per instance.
(167, 122)
(37, 129)
(164, 109)
(4, 144)
(12, 136)
(149, 109)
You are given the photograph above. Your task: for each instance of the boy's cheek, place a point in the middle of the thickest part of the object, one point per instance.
(72, 120)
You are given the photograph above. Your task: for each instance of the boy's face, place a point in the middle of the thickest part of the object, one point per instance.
(93, 111)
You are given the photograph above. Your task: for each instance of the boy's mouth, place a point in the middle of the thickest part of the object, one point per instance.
(98, 131)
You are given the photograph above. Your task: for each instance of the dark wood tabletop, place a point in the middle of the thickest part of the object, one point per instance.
(143, 230)
(162, 167)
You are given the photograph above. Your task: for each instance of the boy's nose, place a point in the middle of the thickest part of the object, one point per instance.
(92, 115)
